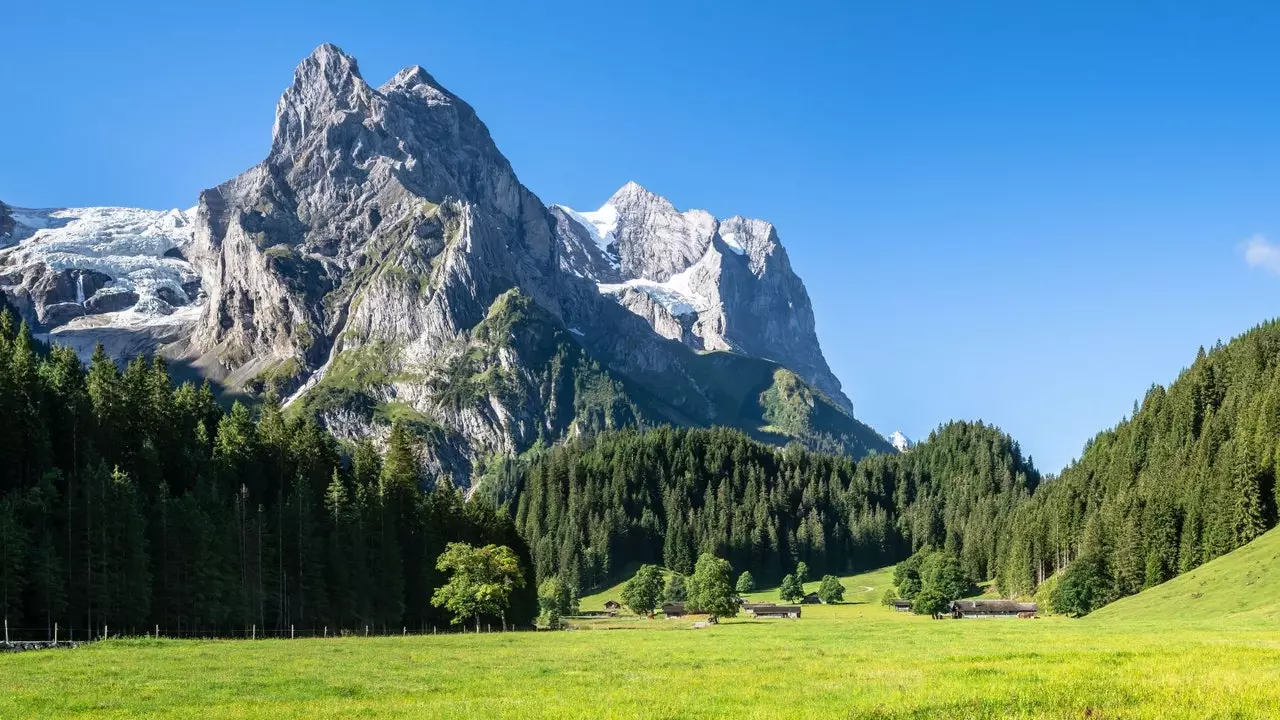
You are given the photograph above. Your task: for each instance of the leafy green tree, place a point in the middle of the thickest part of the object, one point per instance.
(941, 572)
(481, 582)
(555, 602)
(906, 576)
(675, 590)
(643, 591)
(746, 583)
(802, 572)
(831, 590)
(1084, 586)
(791, 590)
(930, 601)
(711, 589)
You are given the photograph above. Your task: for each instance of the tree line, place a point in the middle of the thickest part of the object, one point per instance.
(129, 503)
(597, 505)
(1190, 475)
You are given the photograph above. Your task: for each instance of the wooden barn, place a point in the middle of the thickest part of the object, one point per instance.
(992, 609)
(750, 608)
(613, 605)
(777, 611)
(674, 610)
(902, 605)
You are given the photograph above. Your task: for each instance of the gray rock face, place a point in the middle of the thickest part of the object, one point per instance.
(711, 284)
(382, 219)
(383, 262)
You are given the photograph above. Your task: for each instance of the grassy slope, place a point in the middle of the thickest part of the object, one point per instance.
(1240, 587)
(843, 661)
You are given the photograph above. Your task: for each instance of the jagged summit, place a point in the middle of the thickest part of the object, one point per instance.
(384, 261)
(711, 284)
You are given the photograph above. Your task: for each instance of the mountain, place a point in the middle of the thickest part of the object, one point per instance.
(899, 441)
(384, 262)
(101, 274)
(711, 284)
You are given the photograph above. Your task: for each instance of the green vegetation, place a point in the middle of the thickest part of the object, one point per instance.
(831, 590)
(668, 495)
(127, 503)
(481, 580)
(1190, 476)
(643, 591)
(1241, 588)
(277, 377)
(853, 660)
(710, 590)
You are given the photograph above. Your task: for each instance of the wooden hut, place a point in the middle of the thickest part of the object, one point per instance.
(674, 610)
(992, 609)
(902, 605)
(810, 599)
(769, 612)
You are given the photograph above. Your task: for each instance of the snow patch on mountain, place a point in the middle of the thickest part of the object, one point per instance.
(731, 239)
(899, 441)
(130, 250)
(601, 225)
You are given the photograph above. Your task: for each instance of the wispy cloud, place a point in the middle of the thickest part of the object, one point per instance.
(1261, 254)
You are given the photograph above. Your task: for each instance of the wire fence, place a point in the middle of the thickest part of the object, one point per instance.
(59, 633)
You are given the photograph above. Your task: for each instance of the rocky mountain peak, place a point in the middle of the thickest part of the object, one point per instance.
(711, 284)
(327, 89)
(633, 195)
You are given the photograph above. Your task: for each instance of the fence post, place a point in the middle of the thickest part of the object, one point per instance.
(433, 629)
(106, 632)
(326, 631)
(55, 633)
(6, 629)
(255, 632)
(404, 630)
(366, 631)
(157, 631)
(290, 631)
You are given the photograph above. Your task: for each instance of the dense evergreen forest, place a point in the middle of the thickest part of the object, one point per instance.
(1191, 475)
(592, 507)
(127, 503)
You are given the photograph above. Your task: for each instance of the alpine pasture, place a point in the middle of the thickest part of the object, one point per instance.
(854, 660)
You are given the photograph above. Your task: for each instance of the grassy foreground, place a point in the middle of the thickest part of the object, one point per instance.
(857, 660)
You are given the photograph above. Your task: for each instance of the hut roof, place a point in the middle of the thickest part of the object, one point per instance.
(993, 606)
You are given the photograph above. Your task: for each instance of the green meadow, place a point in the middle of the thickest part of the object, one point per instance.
(854, 660)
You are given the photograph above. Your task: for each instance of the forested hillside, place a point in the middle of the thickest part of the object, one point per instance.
(592, 506)
(1189, 477)
(125, 502)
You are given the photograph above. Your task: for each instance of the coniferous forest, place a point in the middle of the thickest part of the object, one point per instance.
(129, 503)
(591, 507)
(1189, 477)
(126, 503)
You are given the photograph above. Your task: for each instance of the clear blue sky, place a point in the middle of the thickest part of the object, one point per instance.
(1015, 213)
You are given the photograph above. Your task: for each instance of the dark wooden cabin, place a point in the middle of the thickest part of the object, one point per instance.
(777, 611)
(992, 609)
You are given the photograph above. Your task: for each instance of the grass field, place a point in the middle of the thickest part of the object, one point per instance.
(1241, 588)
(857, 660)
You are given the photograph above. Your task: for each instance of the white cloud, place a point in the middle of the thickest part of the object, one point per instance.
(1261, 254)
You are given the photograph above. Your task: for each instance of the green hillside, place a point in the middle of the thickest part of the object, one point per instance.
(1242, 586)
